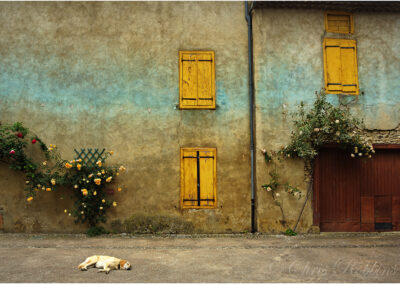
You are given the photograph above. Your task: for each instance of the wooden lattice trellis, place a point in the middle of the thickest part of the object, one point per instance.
(90, 156)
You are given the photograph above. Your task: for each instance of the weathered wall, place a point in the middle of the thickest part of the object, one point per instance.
(106, 75)
(289, 69)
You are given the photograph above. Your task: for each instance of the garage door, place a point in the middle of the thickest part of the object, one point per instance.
(352, 195)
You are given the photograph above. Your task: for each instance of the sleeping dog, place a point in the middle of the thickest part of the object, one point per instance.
(106, 263)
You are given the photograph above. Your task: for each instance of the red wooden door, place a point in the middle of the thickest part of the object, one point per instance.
(352, 194)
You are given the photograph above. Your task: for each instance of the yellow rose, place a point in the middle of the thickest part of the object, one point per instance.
(53, 181)
(84, 191)
(29, 199)
(122, 169)
(103, 172)
(68, 165)
(103, 201)
(90, 176)
(95, 193)
(65, 211)
(97, 181)
(111, 152)
(119, 189)
(101, 208)
(114, 203)
(109, 179)
(99, 163)
(79, 166)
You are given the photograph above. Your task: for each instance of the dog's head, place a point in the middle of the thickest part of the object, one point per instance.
(123, 264)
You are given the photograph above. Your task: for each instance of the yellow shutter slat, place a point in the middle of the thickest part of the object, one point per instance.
(333, 26)
(189, 178)
(189, 79)
(344, 24)
(349, 67)
(207, 176)
(205, 64)
(332, 65)
(338, 17)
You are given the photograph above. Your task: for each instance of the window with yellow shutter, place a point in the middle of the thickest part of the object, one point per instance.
(198, 177)
(340, 66)
(339, 22)
(196, 80)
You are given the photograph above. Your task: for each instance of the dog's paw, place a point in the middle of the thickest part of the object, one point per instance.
(83, 269)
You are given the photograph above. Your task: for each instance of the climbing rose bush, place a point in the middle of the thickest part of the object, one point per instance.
(88, 184)
(325, 124)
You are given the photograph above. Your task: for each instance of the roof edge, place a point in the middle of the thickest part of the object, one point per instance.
(353, 6)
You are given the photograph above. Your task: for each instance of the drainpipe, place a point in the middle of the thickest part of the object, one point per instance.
(251, 96)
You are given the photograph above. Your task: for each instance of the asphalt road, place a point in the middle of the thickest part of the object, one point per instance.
(228, 258)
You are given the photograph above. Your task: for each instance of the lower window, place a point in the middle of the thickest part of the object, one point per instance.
(198, 177)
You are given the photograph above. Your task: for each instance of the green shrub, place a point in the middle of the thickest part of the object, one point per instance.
(290, 232)
(96, 231)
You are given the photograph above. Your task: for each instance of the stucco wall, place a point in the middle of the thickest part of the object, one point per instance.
(106, 75)
(289, 69)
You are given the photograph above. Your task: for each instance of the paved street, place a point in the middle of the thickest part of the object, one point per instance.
(231, 258)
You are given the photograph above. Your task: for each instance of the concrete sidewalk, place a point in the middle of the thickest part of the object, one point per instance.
(228, 258)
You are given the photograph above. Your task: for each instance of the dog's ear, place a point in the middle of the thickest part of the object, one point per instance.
(122, 263)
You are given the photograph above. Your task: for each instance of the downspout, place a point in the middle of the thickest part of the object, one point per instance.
(251, 97)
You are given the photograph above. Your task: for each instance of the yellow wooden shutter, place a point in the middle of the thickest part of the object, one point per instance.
(205, 77)
(188, 79)
(207, 176)
(340, 66)
(349, 66)
(198, 178)
(196, 79)
(339, 22)
(333, 82)
(188, 178)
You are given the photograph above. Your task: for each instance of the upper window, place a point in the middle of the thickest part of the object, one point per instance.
(198, 177)
(339, 22)
(340, 66)
(196, 80)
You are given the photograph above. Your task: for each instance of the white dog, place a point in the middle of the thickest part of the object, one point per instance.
(107, 263)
